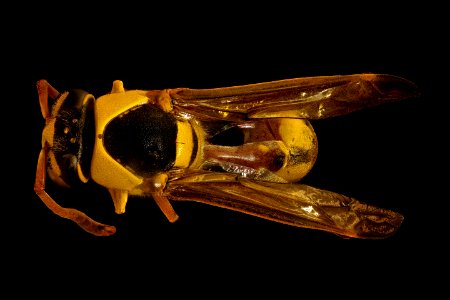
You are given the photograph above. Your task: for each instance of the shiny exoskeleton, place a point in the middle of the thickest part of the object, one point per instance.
(244, 148)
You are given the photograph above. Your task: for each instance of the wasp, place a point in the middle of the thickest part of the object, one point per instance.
(244, 148)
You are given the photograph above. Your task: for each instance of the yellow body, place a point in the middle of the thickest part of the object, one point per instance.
(107, 171)
(104, 169)
(256, 174)
(296, 135)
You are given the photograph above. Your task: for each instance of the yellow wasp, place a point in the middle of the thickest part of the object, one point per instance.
(244, 148)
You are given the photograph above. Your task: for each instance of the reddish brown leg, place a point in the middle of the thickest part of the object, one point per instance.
(78, 217)
(155, 186)
(165, 206)
(45, 90)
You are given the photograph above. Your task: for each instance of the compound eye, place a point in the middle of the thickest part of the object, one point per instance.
(58, 170)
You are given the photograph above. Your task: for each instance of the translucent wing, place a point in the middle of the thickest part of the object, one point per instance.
(293, 204)
(309, 97)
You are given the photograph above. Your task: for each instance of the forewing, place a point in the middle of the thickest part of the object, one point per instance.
(309, 97)
(293, 204)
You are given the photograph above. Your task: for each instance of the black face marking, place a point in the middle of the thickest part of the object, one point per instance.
(142, 139)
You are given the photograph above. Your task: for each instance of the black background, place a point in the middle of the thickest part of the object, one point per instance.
(383, 156)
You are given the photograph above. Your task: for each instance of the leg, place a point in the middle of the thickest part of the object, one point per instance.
(78, 217)
(44, 91)
(155, 186)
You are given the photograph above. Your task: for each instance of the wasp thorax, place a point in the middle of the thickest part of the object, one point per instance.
(142, 139)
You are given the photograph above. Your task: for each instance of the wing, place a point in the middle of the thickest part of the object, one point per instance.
(308, 97)
(293, 204)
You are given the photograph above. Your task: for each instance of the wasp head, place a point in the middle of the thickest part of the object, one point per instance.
(68, 136)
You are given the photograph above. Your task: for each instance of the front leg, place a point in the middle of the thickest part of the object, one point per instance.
(76, 216)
